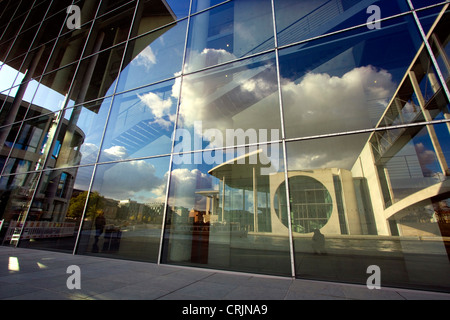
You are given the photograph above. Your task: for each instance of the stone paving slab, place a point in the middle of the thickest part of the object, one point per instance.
(27, 274)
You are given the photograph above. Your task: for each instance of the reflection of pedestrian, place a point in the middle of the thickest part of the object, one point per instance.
(318, 242)
(100, 222)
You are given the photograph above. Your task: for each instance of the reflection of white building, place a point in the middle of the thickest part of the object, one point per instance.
(336, 201)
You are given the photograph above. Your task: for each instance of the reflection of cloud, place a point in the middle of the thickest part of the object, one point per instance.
(184, 183)
(159, 107)
(207, 57)
(146, 58)
(342, 103)
(125, 179)
(338, 152)
(207, 100)
(194, 103)
(426, 158)
(321, 103)
(317, 103)
(89, 152)
(425, 155)
(116, 153)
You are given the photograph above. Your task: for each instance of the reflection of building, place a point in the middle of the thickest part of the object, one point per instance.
(25, 149)
(363, 133)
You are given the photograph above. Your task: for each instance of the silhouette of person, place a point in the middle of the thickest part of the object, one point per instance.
(100, 223)
(318, 242)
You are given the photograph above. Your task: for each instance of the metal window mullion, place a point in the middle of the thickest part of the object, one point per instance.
(283, 137)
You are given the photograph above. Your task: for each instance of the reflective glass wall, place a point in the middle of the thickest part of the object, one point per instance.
(305, 139)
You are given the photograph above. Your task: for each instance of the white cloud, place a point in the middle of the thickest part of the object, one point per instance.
(184, 183)
(321, 103)
(146, 58)
(158, 106)
(124, 180)
(116, 153)
(89, 152)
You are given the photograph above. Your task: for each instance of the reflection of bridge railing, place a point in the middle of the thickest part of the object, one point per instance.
(41, 230)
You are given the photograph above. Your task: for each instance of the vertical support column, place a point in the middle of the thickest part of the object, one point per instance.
(430, 128)
(441, 51)
(20, 94)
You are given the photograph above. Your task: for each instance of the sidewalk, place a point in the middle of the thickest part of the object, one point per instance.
(42, 275)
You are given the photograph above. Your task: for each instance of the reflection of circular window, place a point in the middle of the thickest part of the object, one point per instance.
(311, 204)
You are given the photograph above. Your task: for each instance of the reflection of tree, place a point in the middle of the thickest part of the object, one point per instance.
(77, 204)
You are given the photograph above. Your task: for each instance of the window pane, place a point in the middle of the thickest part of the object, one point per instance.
(223, 212)
(372, 208)
(53, 88)
(199, 5)
(32, 141)
(81, 133)
(233, 30)
(97, 75)
(7, 138)
(15, 195)
(230, 105)
(346, 80)
(111, 29)
(156, 56)
(69, 48)
(16, 101)
(141, 123)
(301, 20)
(153, 14)
(180, 8)
(88, 9)
(125, 210)
(423, 3)
(56, 212)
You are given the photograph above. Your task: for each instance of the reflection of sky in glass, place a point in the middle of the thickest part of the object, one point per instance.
(345, 81)
(161, 59)
(141, 123)
(300, 20)
(141, 180)
(198, 5)
(229, 31)
(179, 7)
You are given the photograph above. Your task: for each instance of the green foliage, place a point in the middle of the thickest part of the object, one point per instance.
(77, 204)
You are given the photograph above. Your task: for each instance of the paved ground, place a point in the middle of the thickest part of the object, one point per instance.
(27, 274)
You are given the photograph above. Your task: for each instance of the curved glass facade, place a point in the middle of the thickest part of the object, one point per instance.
(231, 135)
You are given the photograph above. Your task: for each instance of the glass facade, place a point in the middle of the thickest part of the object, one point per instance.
(305, 139)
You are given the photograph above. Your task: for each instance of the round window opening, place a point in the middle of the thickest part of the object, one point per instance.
(311, 204)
